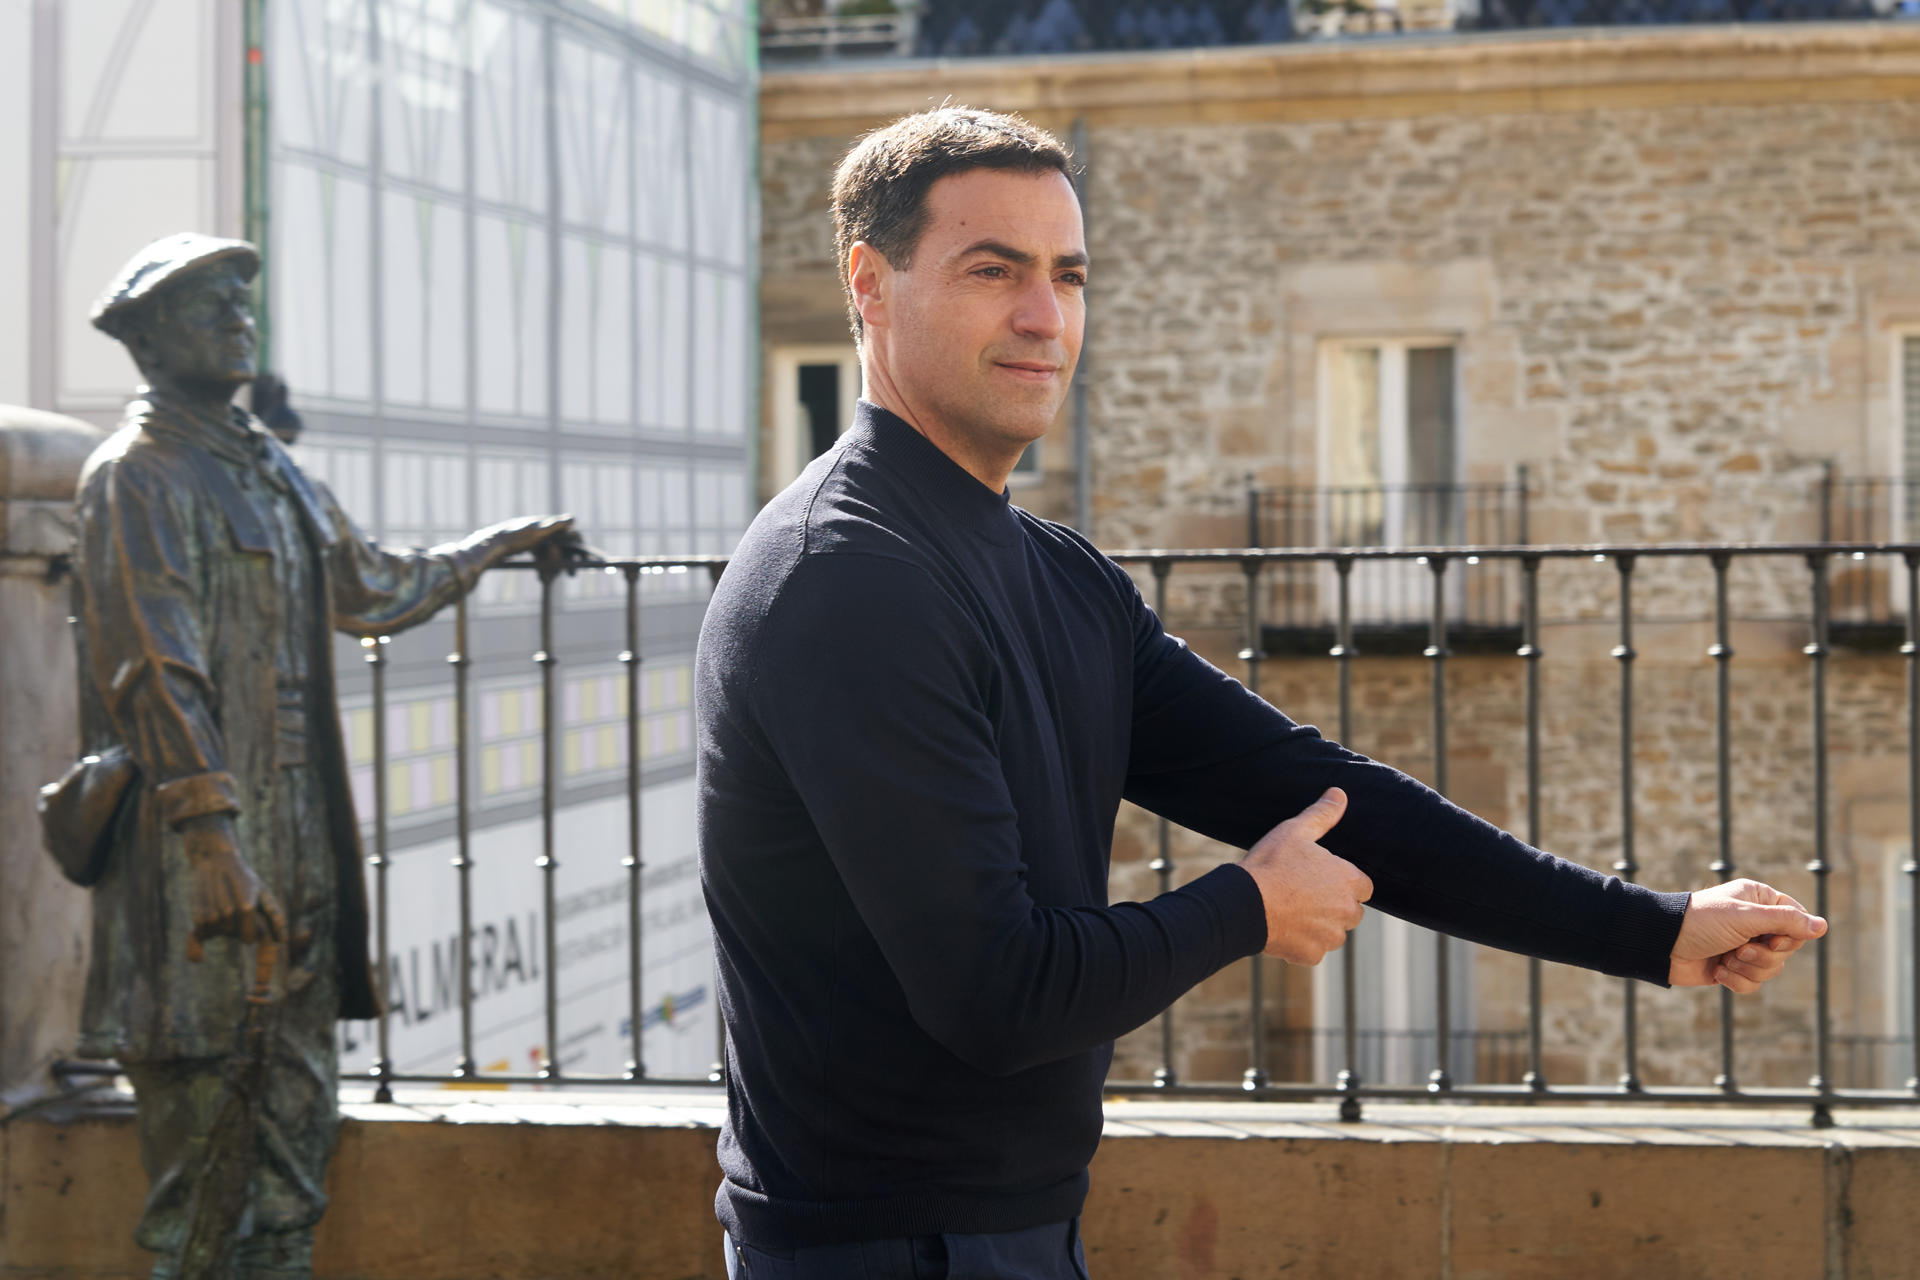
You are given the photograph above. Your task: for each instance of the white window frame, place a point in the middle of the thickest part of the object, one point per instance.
(1393, 399)
(787, 454)
(1394, 454)
(1897, 900)
(1388, 952)
(1896, 454)
(1027, 470)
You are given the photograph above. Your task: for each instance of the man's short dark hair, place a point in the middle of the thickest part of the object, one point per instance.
(880, 190)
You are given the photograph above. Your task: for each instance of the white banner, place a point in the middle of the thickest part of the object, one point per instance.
(508, 948)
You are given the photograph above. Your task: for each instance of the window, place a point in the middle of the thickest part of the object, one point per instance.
(814, 389)
(426, 494)
(1395, 994)
(509, 483)
(1389, 476)
(1390, 450)
(345, 465)
(599, 493)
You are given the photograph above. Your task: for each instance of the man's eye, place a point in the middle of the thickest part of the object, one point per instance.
(995, 272)
(1073, 278)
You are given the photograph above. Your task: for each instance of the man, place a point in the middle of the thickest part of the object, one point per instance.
(209, 575)
(920, 708)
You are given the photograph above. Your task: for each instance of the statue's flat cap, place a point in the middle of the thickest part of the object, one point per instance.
(160, 264)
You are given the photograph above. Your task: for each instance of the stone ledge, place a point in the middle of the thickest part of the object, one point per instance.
(41, 455)
(462, 1186)
(1474, 73)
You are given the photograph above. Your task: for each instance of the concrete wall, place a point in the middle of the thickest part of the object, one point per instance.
(43, 919)
(1179, 1193)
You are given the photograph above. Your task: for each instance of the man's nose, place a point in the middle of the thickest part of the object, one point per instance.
(1039, 314)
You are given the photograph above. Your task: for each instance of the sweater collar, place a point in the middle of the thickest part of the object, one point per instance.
(890, 439)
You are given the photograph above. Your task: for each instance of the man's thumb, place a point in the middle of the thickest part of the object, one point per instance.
(1325, 813)
(1791, 921)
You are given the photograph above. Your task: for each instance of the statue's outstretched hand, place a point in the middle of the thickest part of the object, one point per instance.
(555, 544)
(527, 533)
(565, 552)
(228, 898)
(1738, 935)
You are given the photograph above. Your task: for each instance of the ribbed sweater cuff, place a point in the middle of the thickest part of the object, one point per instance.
(1233, 896)
(1645, 928)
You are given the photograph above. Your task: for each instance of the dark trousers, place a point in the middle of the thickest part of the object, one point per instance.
(1051, 1252)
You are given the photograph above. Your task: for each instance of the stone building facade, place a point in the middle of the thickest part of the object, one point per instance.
(1675, 271)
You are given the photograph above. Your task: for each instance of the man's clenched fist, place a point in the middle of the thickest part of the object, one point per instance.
(1739, 934)
(1312, 897)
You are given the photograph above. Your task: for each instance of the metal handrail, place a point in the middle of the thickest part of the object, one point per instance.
(1821, 1095)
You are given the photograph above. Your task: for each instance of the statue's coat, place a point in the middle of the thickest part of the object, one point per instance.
(178, 592)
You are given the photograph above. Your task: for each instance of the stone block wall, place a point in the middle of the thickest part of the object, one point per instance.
(1675, 267)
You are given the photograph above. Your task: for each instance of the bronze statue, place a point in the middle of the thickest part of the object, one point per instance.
(230, 914)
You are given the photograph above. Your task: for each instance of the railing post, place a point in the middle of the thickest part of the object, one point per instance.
(1253, 513)
(1525, 484)
(1822, 1027)
(1911, 650)
(1826, 501)
(1721, 652)
(1626, 867)
(1441, 1078)
(548, 862)
(1252, 655)
(630, 659)
(1164, 1076)
(376, 659)
(463, 827)
(1536, 1076)
(1343, 651)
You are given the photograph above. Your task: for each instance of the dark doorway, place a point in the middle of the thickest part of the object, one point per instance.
(820, 396)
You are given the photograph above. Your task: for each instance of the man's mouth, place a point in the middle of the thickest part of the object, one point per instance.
(1031, 370)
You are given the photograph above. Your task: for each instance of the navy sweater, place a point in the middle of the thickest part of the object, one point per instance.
(919, 708)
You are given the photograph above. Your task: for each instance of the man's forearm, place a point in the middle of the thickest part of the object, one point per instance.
(1432, 863)
(1216, 758)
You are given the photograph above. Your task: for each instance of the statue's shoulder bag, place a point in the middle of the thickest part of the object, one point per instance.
(77, 813)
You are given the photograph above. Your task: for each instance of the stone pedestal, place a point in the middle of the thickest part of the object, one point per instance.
(43, 919)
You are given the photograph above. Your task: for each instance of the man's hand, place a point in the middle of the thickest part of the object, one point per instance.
(228, 898)
(1312, 897)
(1738, 935)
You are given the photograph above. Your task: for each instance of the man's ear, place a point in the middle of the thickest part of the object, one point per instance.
(869, 277)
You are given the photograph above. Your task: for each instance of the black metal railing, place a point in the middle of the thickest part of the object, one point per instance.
(1385, 1053)
(1822, 1092)
(1389, 599)
(1351, 1085)
(1500, 1055)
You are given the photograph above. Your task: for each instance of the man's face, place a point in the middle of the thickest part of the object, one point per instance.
(200, 336)
(981, 334)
